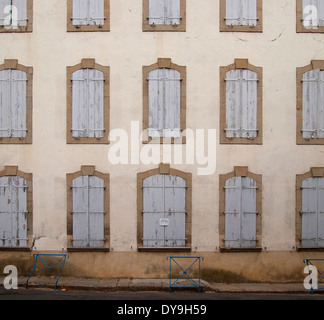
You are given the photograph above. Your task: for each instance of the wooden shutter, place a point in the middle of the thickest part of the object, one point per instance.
(156, 12)
(21, 6)
(88, 12)
(87, 103)
(88, 211)
(164, 12)
(97, 12)
(313, 11)
(249, 213)
(4, 12)
(13, 103)
(172, 9)
(240, 212)
(164, 211)
(313, 104)
(80, 12)
(241, 13)
(164, 103)
(96, 212)
(13, 211)
(241, 104)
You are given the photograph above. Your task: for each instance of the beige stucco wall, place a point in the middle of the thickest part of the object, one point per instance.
(49, 49)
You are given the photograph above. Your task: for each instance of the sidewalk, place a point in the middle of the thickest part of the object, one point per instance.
(114, 285)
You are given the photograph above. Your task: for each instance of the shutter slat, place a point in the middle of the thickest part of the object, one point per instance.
(5, 217)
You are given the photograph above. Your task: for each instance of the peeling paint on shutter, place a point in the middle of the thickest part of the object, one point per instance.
(313, 212)
(241, 104)
(13, 212)
(241, 13)
(313, 104)
(88, 12)
(240, 212)
(87, 103)
(164, 103)
(88, 211)
(13, 104)
(164, 214)
(21, 6)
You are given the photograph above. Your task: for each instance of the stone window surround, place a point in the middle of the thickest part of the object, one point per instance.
(315, 172)
(14, 65)
(13, 171)
(164, 63)
(88, 170)
(90, 64)
(241, 64)
(240, 171)
(22, 29)
(177, 28)
(299, 20)
(315, 64)
(224, 28)
(164, 169)
(86, 28)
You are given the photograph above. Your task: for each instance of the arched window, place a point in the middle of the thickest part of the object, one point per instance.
(88, 103)
(88, 209)
(165, 209)
(15, 208)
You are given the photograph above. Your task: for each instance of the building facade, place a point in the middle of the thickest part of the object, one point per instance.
(134, 130)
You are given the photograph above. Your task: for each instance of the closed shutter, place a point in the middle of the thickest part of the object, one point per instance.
(313, 104)
(164, 103)
(164, 211)
(312, 212)
(88, 12)
(164, 12)
(313, 13)
(241, 104)
(240, 212)
(5, 19)
(21, 17)
(88, 212)
(13, 104)
(13, 212)
(241, 13)
(88, 103)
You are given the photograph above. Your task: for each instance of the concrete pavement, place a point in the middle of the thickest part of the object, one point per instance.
(134, 285)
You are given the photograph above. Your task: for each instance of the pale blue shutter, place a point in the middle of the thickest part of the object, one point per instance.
(96, 212)
(153, 211)
(13, 212)
(313, 104)
(175, 211)
(172, 9)
(5, 8)
(87, 103)
(88, 12)
(21, 18)
(13, 104)
(241, 104)
(313, 13)
(164, 103)
(233, 212)
(164, 12)
(241, 13)
(80, 12)
(96, 12)
(240, 212)
(312, 212)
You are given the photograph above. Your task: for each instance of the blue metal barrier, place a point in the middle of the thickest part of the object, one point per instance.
(185, 271)
(313, 285)
(39, 255)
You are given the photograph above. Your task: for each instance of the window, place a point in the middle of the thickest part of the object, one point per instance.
(241, 15)
(164, 15)
(240, 210)
(88, 103)
(15, 208)
(310, 16)
(88, 206)
(164, 209)
(15, 103)
(164, 113)
(310, 103)
(310, 210)
(241, 103)
(16, 15)
(88, 15)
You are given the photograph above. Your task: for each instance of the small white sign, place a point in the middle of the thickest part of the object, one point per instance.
(164, 222)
